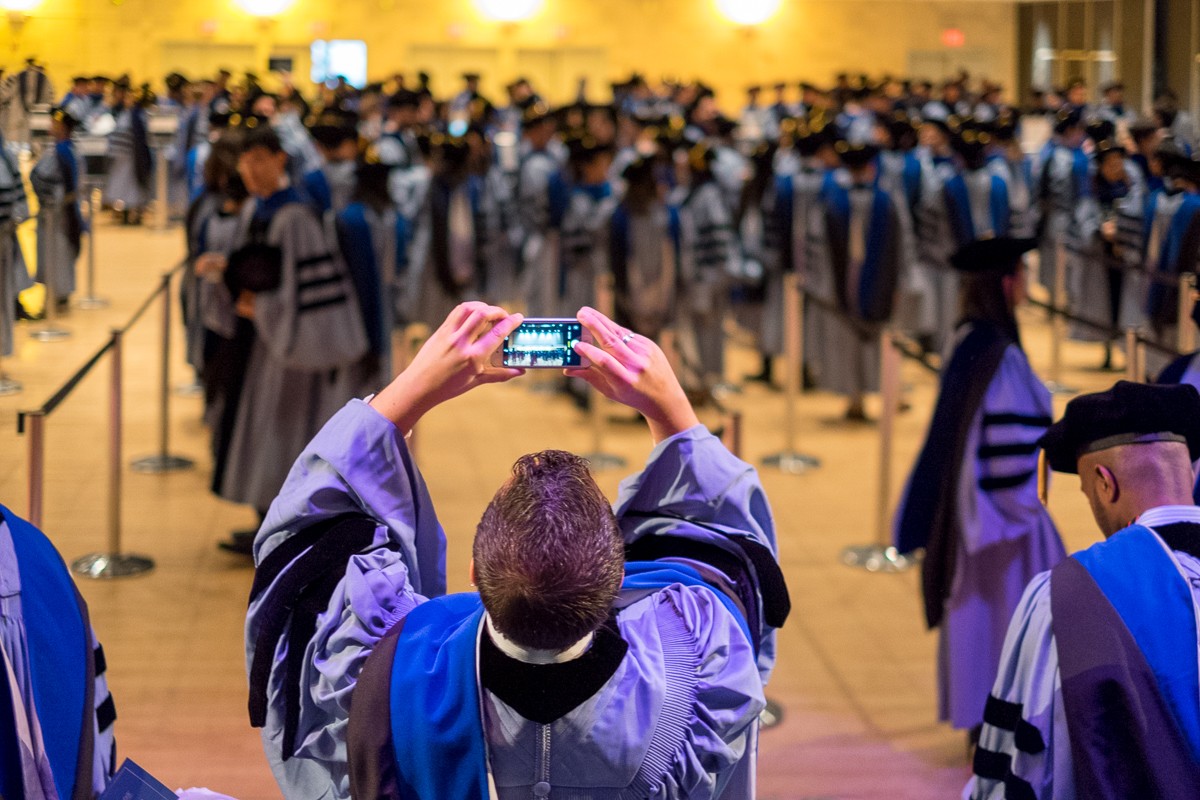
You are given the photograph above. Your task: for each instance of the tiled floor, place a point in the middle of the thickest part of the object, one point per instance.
(856, 667)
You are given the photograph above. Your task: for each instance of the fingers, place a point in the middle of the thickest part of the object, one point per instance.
(491, 341)
(604, 361)
(607, 333)
(596, 321)
(499, 374)
(459, 315)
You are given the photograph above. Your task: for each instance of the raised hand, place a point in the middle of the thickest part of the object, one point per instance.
(634, 371)
(454, 360)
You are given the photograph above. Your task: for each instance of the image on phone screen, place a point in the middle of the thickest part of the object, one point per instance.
(543, 344)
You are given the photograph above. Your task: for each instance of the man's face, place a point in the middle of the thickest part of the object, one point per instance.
(1077, 95)
(262, 170)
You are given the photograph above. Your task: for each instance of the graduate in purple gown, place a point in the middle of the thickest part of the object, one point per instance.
(971, 501)
(1098, 692)
(611, 650)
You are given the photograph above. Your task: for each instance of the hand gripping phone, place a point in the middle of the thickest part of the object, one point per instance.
(543, 343)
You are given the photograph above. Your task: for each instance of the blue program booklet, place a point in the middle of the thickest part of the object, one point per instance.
(133, 783)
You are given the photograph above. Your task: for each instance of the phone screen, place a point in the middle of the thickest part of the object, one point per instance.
(539, 343)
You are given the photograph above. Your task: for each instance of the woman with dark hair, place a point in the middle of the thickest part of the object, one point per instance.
(972, 500)
(210, 226)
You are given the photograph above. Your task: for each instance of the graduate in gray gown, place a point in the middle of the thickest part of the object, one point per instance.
(867, 248)
(55, 182)
(1104, 243)
(541, 199)
(583, 239)
(561, 676)
(130, 164)
(14, 274)
(644, 249)
(299, 338)
(708, 257)
(971, 502)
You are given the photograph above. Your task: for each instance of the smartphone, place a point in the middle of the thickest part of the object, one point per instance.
(544, 344)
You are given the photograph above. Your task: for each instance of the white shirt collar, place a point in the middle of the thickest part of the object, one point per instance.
(530, 655)
(1169, 515)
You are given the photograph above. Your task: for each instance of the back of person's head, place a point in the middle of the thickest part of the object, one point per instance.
(261, 136)
(548, 555)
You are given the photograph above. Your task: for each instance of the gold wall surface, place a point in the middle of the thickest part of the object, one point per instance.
(603, 39)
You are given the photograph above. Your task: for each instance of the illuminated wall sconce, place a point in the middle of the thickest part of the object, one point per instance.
(508, 10)
(748, 12)
(18, 14)
(265, 8)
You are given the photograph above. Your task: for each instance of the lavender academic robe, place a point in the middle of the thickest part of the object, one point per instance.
(1002, 535)
(1026, 746)
(359, 463)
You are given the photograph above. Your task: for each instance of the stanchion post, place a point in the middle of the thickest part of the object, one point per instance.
(1058, 302)
(163, 461)
(881, 556)
(162, 212)
(91, 300)
(790, 459)
(37, 466)
(113, 563)
(1187, 302)
(599, 458)
(49, 332)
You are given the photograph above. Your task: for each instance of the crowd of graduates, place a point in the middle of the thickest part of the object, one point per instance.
(865, 189)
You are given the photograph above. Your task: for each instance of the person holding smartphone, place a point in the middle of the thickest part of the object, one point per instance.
(619, 647)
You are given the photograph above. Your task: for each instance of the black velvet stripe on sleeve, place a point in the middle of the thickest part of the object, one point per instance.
(1008, 717)
(100, 661)
(1003, 450)
(106, 714)
(1028, 420)
(997, 482)
(994, 766)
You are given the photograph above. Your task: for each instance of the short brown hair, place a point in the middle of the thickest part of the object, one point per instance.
(548, 554)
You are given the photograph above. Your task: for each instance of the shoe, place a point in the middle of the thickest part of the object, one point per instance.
(23, 315)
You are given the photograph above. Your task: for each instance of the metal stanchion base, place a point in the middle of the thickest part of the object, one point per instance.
(9, 386)
(603, 461)
(155, 465)
(49, 334)
(874, 558)
(770, 716)
(104, 567)
(1060, 388)
(193, 389)
(91, 302)
(795, 463)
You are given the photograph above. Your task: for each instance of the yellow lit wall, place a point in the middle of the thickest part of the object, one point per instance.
(606, 39)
